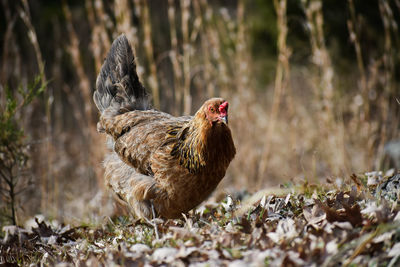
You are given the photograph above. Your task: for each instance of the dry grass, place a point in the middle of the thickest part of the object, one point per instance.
(311, 122)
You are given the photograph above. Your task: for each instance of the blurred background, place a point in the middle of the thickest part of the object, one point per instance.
(313, 86)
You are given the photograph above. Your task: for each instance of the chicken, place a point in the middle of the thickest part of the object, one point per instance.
(160, 164)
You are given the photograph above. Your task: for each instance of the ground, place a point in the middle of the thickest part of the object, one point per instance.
(349, 222)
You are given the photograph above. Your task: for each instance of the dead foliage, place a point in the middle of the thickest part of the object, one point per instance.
(329, 226)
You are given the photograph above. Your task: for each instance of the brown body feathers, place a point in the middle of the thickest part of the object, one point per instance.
(173, 163)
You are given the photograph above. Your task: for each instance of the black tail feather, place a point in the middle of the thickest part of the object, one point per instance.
(118, 86)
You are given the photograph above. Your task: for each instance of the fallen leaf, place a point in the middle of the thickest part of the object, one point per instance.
(165, 254)
(395, 250)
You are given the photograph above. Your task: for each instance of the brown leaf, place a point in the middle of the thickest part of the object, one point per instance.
(350, 214)
(43, 230)
(333, 215)
(353, 214)
(246, 226)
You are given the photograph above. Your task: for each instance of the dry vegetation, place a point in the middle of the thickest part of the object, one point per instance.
(313, 119)
(339, 225)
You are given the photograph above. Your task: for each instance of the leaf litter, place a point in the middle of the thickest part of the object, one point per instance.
(355, 222)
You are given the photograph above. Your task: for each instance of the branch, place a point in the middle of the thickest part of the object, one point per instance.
(5, 178)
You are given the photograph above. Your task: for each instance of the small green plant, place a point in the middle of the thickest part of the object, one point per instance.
(13, 149)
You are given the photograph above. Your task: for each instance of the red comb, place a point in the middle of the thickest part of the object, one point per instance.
(222, 107)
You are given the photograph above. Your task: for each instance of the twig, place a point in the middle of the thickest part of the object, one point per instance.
(281, 82)
(351, 24)
(154, 217)
(174, 57)
(187, 98)
(365, 240)
(148, 45)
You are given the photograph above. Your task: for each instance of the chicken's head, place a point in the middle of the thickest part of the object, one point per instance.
(216, 110)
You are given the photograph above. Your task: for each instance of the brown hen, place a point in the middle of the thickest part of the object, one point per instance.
(169, 163)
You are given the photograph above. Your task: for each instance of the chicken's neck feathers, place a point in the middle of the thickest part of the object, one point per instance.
(203, 145)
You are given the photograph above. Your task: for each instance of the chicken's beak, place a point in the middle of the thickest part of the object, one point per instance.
(224, 119)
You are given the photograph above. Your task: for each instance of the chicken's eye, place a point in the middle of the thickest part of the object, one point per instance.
(211, 109)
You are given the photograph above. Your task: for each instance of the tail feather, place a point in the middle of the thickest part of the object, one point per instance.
(118, 87)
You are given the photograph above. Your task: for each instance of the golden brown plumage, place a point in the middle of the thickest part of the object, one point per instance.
(171, 162)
